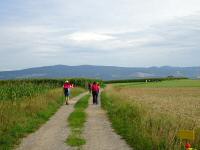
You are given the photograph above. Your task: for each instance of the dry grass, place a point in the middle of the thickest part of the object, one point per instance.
(183, 103)
(161, 112)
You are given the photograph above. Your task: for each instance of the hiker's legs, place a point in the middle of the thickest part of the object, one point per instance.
(97, 98)
(66, 100)
(66, 92)
(93, 96)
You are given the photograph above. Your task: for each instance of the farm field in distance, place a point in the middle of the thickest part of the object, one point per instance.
(157, 110)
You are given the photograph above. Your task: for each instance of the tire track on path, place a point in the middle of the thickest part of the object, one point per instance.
(98, 132)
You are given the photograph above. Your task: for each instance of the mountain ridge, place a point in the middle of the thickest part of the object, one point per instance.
(100, 72)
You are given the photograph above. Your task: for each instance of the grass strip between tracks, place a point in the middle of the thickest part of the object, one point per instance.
(76, 122)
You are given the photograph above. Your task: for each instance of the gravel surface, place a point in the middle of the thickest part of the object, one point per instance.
(52, 135)
(98, 132)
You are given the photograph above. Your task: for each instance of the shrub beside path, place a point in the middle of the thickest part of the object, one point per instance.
(98, 132)
(52, 135)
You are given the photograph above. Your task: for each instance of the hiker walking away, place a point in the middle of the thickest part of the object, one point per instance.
(89, 87)
(66, 88)
(95, 91)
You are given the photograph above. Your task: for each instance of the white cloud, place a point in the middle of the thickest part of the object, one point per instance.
(110, 42)
(89, 37)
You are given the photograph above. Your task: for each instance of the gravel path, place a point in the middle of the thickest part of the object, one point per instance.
(52, 135)
(98, 132)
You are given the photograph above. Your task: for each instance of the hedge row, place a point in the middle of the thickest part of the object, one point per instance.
(144, 80)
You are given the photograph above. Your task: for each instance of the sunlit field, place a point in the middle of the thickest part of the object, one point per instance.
(158, 110)
(178, 98)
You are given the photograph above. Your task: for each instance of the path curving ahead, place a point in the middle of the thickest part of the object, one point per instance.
(98, 132)
(51, 135)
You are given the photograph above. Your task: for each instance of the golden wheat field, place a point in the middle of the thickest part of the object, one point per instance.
(183, 103)
(163, 108)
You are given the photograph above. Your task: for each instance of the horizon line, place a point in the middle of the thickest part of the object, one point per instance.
(34, 67)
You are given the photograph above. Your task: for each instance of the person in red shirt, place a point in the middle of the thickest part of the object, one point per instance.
(95, 92)
(66, 88)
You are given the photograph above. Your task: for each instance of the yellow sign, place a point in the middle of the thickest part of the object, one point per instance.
(186, 134)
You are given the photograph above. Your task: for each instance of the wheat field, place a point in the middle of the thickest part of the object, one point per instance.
(157, 110)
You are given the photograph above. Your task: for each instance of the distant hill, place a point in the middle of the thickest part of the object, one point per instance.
(102, 72)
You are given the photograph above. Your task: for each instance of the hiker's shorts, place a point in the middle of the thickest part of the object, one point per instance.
(67, 92)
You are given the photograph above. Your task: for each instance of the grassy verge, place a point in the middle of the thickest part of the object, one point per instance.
(141, 128)
(126, 120)
(76, 122)
(18, 118)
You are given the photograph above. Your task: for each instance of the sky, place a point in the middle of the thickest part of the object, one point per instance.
(129, 33)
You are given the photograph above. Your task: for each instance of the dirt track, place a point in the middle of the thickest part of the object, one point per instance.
(52, 135)
(98, 132)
